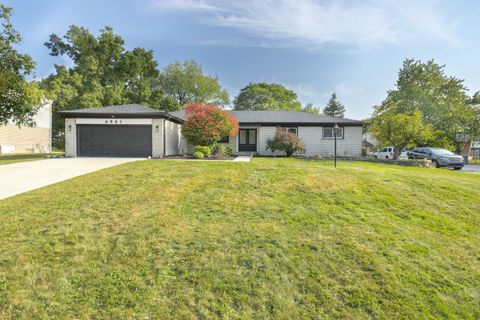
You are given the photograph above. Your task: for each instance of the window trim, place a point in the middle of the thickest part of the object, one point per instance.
(333, 136)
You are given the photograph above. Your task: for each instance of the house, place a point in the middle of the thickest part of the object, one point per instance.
(370, 142)
(137, 131)
(24, 139)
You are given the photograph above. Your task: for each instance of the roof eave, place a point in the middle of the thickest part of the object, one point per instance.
(310, 124)
(142, 115)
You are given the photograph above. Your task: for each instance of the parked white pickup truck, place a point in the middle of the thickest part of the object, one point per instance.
(387, 153)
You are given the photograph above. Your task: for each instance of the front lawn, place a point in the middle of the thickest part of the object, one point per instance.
(8, 159)
(275, 238)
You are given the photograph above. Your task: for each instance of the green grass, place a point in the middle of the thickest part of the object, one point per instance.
(275, 238)
(8, 159)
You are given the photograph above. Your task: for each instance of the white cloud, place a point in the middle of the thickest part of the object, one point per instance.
(320, 22)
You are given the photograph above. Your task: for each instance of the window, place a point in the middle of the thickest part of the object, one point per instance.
(293, 130)
(225, 139)
(328, 133)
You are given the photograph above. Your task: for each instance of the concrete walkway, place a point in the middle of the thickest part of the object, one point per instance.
(243, 159)
(25, 176)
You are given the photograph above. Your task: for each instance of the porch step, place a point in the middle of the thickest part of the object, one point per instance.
(243, 158)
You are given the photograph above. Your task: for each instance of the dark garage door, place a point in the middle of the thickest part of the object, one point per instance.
(114, 140)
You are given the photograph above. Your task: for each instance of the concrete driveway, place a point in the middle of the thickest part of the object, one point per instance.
(25, 176)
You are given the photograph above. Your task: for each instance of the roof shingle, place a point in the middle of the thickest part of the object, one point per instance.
(280, 116)
(120, 109)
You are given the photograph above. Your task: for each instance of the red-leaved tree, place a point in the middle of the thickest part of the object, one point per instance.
(206, 124)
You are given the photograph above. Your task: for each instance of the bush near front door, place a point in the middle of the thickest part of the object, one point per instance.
(285, 141)
(206, 124)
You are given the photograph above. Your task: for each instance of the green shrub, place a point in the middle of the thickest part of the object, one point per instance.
(228, 150)
(222, 150)
(203, 149)
(198, 155)
(285, 141)
(59, 142)
(364, 151)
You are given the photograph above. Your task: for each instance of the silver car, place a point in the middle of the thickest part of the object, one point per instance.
(441, 158)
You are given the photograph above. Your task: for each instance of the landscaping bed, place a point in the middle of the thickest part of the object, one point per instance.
(421, 163)
(190, 157)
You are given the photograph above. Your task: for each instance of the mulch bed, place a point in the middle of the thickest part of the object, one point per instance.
(188, 157)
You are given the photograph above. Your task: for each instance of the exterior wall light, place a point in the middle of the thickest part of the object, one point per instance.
(69, 128)
(157, 128)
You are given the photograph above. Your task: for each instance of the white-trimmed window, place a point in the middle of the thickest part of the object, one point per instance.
(293, 130)
(328, 133)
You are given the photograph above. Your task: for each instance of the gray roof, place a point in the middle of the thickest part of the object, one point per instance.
(124, 110)
(281, 116)
(120, 109)
(245, 117)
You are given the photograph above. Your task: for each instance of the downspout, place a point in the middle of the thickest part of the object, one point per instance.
(164, 139)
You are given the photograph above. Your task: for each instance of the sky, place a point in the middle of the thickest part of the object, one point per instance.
(314, 47)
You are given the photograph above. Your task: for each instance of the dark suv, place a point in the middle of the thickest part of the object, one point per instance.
(440, 157)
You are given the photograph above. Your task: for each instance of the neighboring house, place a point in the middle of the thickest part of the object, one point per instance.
(370, 140)
(24, 139)
(135, 130)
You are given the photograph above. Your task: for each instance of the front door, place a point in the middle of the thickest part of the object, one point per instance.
(247, 140)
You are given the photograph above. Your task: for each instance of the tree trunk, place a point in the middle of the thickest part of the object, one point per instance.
(396, 152)
(467, 148)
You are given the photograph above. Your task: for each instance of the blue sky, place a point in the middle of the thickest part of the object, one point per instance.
(314, 47)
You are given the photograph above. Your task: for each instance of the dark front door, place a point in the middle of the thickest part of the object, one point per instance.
(114, 140)
(247, 140)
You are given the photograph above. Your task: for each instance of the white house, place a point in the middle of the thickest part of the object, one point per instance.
(138, 131)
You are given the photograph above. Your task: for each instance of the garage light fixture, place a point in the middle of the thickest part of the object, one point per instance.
(69, 128)
(157, 129)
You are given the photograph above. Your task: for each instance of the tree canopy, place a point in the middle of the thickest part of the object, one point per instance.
(475, 99)
(309, 107)
(441, 99)
(400, 130)
(185, 83)
(266, 96)
(334, 108)
(206, 124)
(19, 99)
(103, 73)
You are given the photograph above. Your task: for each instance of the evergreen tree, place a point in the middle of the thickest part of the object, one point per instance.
(334, 108)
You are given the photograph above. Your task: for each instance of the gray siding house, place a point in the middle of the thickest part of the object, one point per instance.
(137, 131)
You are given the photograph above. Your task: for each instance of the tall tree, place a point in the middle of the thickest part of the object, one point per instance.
(334, 108)
(441, 99)
(475, 99)
(309, 107)
(266, 96)
(19, 99)
(103, 73)
(185, 83)
(400, 130)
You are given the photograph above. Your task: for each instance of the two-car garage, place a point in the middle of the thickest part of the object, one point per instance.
(114, 140)
(121, 131)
